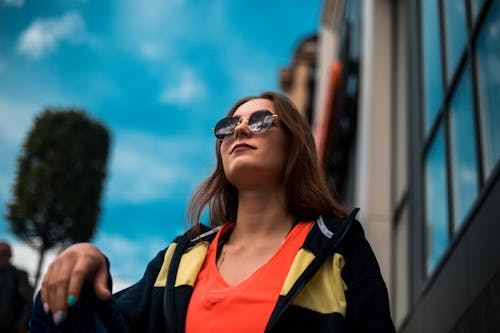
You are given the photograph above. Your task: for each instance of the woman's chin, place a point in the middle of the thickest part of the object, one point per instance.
(252, 176)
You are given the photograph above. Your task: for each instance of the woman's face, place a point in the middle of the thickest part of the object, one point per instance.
(254, 159)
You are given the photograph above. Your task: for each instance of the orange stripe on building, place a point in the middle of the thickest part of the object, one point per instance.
(324, 126)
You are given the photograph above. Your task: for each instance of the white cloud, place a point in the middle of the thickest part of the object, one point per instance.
(14, 3)
(251, 80)
(119, 284)
(144, 25)
(44, 35)
(144, 18)
(189, 88)
(24, 257)
(117, 244)
(147, 167)
(154, 30)
(151, 50)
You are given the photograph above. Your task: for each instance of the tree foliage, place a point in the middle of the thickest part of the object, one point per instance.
(60, 176)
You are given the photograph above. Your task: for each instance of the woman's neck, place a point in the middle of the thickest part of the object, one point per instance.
(262, 214)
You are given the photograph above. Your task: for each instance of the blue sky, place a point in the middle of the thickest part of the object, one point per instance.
(159, 74)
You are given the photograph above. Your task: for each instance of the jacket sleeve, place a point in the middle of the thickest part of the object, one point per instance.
(366, 295)
(128, 310)
(136, 302)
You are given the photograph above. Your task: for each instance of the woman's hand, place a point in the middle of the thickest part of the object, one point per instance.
(64, 279)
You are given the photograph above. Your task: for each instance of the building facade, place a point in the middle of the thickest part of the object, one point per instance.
(406, 114)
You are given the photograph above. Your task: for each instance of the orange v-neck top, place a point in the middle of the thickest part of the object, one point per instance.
(218, 307)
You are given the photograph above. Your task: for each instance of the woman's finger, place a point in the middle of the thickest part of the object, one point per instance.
(45, 294)
(61, 279)
(101, 282)
(49, 286)
(82, 271)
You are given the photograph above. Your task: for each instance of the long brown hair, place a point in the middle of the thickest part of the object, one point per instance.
(307, 194)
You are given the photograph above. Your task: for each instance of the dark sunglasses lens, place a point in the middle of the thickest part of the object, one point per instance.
(225, 127)
(260, 121)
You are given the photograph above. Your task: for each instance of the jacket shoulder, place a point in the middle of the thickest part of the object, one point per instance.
(186, 254)
(328, 232)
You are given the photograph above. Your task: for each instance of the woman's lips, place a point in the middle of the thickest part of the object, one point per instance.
(241, 147)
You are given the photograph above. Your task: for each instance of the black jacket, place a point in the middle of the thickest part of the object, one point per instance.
(334, 285)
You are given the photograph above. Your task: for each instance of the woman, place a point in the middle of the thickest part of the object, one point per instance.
(282, 255)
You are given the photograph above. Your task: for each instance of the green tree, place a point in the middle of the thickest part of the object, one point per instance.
(60, 175)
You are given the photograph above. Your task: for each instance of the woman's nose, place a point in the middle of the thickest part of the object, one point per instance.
(242, 128)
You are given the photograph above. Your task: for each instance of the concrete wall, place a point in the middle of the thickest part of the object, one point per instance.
(373, 174)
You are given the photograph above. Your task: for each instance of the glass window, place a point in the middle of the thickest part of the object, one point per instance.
(431, 44)
(488, 64)
(476, 7)
(463, 149)
(456, 33)
(436, 199)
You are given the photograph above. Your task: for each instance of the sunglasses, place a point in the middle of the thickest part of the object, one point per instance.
(258, 122)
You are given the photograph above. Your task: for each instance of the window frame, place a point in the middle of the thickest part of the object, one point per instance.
(474, 23)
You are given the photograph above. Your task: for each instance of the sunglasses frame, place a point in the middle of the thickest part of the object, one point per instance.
(238, 120)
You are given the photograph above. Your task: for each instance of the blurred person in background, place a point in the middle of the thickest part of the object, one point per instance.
(16, 294)
(281, 254)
